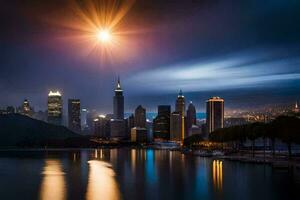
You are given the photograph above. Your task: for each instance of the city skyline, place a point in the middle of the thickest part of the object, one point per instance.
(234, 56)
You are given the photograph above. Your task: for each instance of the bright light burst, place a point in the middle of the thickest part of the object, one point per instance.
(95, 28)
(104, 36)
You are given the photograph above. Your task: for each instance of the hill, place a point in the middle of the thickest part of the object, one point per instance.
(22, 131)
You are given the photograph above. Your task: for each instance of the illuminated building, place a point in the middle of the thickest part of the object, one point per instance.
(138, 135)
(129, 124)
(180, 108)
(180, 103)
(118, 102)
(296, 109)
(26, 109)
(83, 117)
(117, 124)
(117, 129)
(140, 117)
(101, 127)
(190, 118)
(161, 124)
(74, 115)
(214, 113)
(175, 126)
(194, 130)
(55, 108)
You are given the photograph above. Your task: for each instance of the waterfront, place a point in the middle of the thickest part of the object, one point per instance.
(136, 174)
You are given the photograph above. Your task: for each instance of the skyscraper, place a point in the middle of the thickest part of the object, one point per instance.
(26, 109)
(190, 118)
(118, 102)
(55, 108)
(164, 110)
(180, 103)
(176, 126)
(74, 115)
(101, 127)
(140, 117)
(83, 118)
(129, 123)
(180, 108)
(214, 114)
(161, 124)
(117, 124)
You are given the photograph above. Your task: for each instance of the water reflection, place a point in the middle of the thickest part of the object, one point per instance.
(218, 175)
(101, 182)
(53, 182)
(150, 167)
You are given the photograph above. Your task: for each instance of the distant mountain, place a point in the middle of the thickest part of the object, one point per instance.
(22, 131)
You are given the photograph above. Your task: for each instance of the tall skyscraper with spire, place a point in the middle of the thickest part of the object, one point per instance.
(118, 102)
(117, 124)
(180, 103)
(180, 108)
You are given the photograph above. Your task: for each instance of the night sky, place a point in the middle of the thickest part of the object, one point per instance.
(247, 52)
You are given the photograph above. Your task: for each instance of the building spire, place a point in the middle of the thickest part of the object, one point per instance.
(180, 94)
(118, 84)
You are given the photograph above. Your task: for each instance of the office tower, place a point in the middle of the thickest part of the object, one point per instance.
(118, 102)
(140, 117)
(195, 130)
(149, 127)
(180, 108)
(117, 129)
(91, 115)
(214, 114)
(180, 103)
(190, 118)
(138, 135)
(161, 124)
(26, 110)
(55, 108)
(74, 115)
(117, 124)
(83, 117)
(164, 110)
(129, 124)
(101, 127)
(176, 126)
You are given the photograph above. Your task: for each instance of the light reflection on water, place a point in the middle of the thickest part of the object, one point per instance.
(53, 182)
(218, 175)
(136, 174)
(101, 182)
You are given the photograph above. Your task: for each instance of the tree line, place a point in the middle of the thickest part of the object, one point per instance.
(284, 128)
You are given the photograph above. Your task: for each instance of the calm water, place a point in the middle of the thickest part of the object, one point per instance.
(135, 174)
